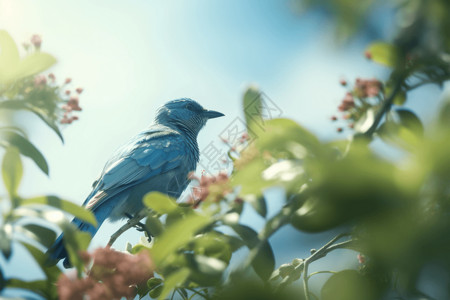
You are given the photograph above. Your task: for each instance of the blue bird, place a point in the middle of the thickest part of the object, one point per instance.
(157, 159)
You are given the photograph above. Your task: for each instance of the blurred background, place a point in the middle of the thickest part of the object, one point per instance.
(130, 57)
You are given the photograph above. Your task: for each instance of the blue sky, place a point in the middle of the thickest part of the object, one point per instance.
(133, 56)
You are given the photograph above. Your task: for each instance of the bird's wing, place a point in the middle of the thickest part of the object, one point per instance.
(149, 154)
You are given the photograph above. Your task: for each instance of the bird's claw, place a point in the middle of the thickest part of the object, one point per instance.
(141, 227)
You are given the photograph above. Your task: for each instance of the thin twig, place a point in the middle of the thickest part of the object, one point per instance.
(322, 252)
(321, 272)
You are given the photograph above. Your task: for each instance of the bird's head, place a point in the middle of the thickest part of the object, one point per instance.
(185, 114)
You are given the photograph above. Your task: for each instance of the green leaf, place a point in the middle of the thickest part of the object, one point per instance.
(154, 225)
(400, 97)
(154, 293)
(12, 170)
(252, 106)
(42, 114)
(349, 285)
(154, 282)
(263, 258)
(9, 57)
(52, 273)
(50, 123)
(177, 235)
(410, 120)
(34, 64)
(284, 138)
(383, 53)
(67, 206)
(41, 287)
(5, 243)
(173, 280)
(74, 242)
(160, 203)
(41, 234)
(25, 147)
(2, 280)
(258, 203)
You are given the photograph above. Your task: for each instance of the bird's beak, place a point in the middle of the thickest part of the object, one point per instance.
(211, 114)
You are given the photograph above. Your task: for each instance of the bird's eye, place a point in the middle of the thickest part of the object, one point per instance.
(190, 106)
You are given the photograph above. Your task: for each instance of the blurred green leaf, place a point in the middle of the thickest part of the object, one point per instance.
(52, 273)
(349, 285)
(50, 122)
(177, 235)
(156, 292)
(40, 287)
(154, 225)
(213, 244)
(12, 170)
(67, 206)
(74, 242)
(365, 121)
(263, 258)
(34, 64)
(383, 53)
(400, 97)
(154, 282)
(160, 203)
(11, 138)
(41, 113)
(9, 56)
(5, 243)
(173, 280)
(204, 270)
(284, 138)
(410, 120)
(41, 234)
(253, 111)
(402, 128)
(258, 203)
(13, 68)
(2, 280)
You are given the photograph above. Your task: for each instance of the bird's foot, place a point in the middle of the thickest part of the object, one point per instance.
(140, 227)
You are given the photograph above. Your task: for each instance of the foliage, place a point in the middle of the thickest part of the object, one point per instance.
(30, 222)
(394, 213)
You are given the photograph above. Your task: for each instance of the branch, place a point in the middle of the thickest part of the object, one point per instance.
(385, 108)
(130, 223)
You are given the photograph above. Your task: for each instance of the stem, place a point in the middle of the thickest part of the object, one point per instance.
(321, 272)
(197, 293)
(384, 108)
(322, 252)
(130, 223)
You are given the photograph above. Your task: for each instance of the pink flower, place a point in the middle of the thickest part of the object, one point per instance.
(67, 92)
(347, 103)
(68, 80)
(343, 82)
(36, 40)
(79, 90)
(368, 54)
(52, 77)
(40, 81)
(340, 129)
(368, 87)
(74, 103)
(333, 118)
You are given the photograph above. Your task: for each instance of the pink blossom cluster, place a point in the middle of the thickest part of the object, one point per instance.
(113, 275)
(362, 89)
(73, 104)
(210, 187)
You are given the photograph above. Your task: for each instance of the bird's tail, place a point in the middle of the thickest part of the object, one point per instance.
(58, 251)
